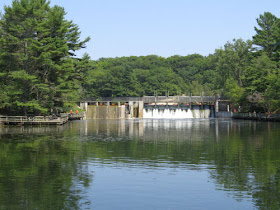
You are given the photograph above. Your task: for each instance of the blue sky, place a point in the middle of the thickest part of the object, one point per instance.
(162, 27)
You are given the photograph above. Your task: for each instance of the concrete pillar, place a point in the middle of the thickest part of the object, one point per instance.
(140, 108)
(227, 108)
(119, 111)
(131, 108)
(84, 105)
(217, 106)
(122, 112)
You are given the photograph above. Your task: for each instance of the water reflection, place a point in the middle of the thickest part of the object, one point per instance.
(153, 129)
(83, 164)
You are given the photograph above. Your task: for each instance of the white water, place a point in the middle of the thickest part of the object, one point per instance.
(167, 113)
(177, 113)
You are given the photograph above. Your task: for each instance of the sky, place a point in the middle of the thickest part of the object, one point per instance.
(162, 27)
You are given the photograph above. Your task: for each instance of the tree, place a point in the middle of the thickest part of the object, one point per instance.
(268, 34)
(38, 46)
(272, 94)
(186, 66)
(232, 59)
(258, 77)
(233, 91)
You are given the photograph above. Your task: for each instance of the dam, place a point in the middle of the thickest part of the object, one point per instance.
(154, 107)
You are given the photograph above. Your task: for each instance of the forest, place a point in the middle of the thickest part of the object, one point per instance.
(40, 73)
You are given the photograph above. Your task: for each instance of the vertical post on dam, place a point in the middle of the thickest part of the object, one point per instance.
(140, 108)
(216, 106)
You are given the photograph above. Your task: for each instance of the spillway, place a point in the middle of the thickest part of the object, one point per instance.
(179, 113)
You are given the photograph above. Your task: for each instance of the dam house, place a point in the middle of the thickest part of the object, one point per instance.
(152, 106)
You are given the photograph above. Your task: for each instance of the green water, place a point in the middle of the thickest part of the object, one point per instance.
(141, 164)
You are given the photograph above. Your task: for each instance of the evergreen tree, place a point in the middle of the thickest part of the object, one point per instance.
(37, 48)
(268, 34)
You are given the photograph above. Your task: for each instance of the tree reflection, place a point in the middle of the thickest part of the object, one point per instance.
(39, 172)
(267, 194)
(243, 155)
(49, 168)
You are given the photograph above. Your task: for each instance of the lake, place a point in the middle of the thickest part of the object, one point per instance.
(141, 164)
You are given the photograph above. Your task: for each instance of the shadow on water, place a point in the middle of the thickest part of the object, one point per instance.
(55, 167)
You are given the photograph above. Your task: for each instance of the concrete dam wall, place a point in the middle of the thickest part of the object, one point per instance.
(111, 110)
(154, 107)
(105, 112)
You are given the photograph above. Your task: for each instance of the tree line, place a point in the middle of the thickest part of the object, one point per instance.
(40, 74)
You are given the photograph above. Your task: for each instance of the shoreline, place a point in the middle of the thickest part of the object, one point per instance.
(256, 116)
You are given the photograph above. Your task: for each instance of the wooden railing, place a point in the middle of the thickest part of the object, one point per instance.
(76, 116)
(34, 120)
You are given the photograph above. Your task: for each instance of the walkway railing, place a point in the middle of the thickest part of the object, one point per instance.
(114, 99)
(179, 99)
(39, 120)
(157, 99)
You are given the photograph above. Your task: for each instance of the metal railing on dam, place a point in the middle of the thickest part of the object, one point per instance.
(179, 99)
(157, 99)
(114, 99)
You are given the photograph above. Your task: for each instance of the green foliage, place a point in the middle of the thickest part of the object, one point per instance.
(39, 74)
(272, 94)
(145, 75)
(257, 80)
(233, 91)
(232, 59)
(36, 63)
(268, 34)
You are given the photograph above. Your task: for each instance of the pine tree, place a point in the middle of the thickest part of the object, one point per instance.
(267, 34)
(37, 57)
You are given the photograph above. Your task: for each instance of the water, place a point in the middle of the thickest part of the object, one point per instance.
(141, 164)
(167, 113)
(178, 113)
